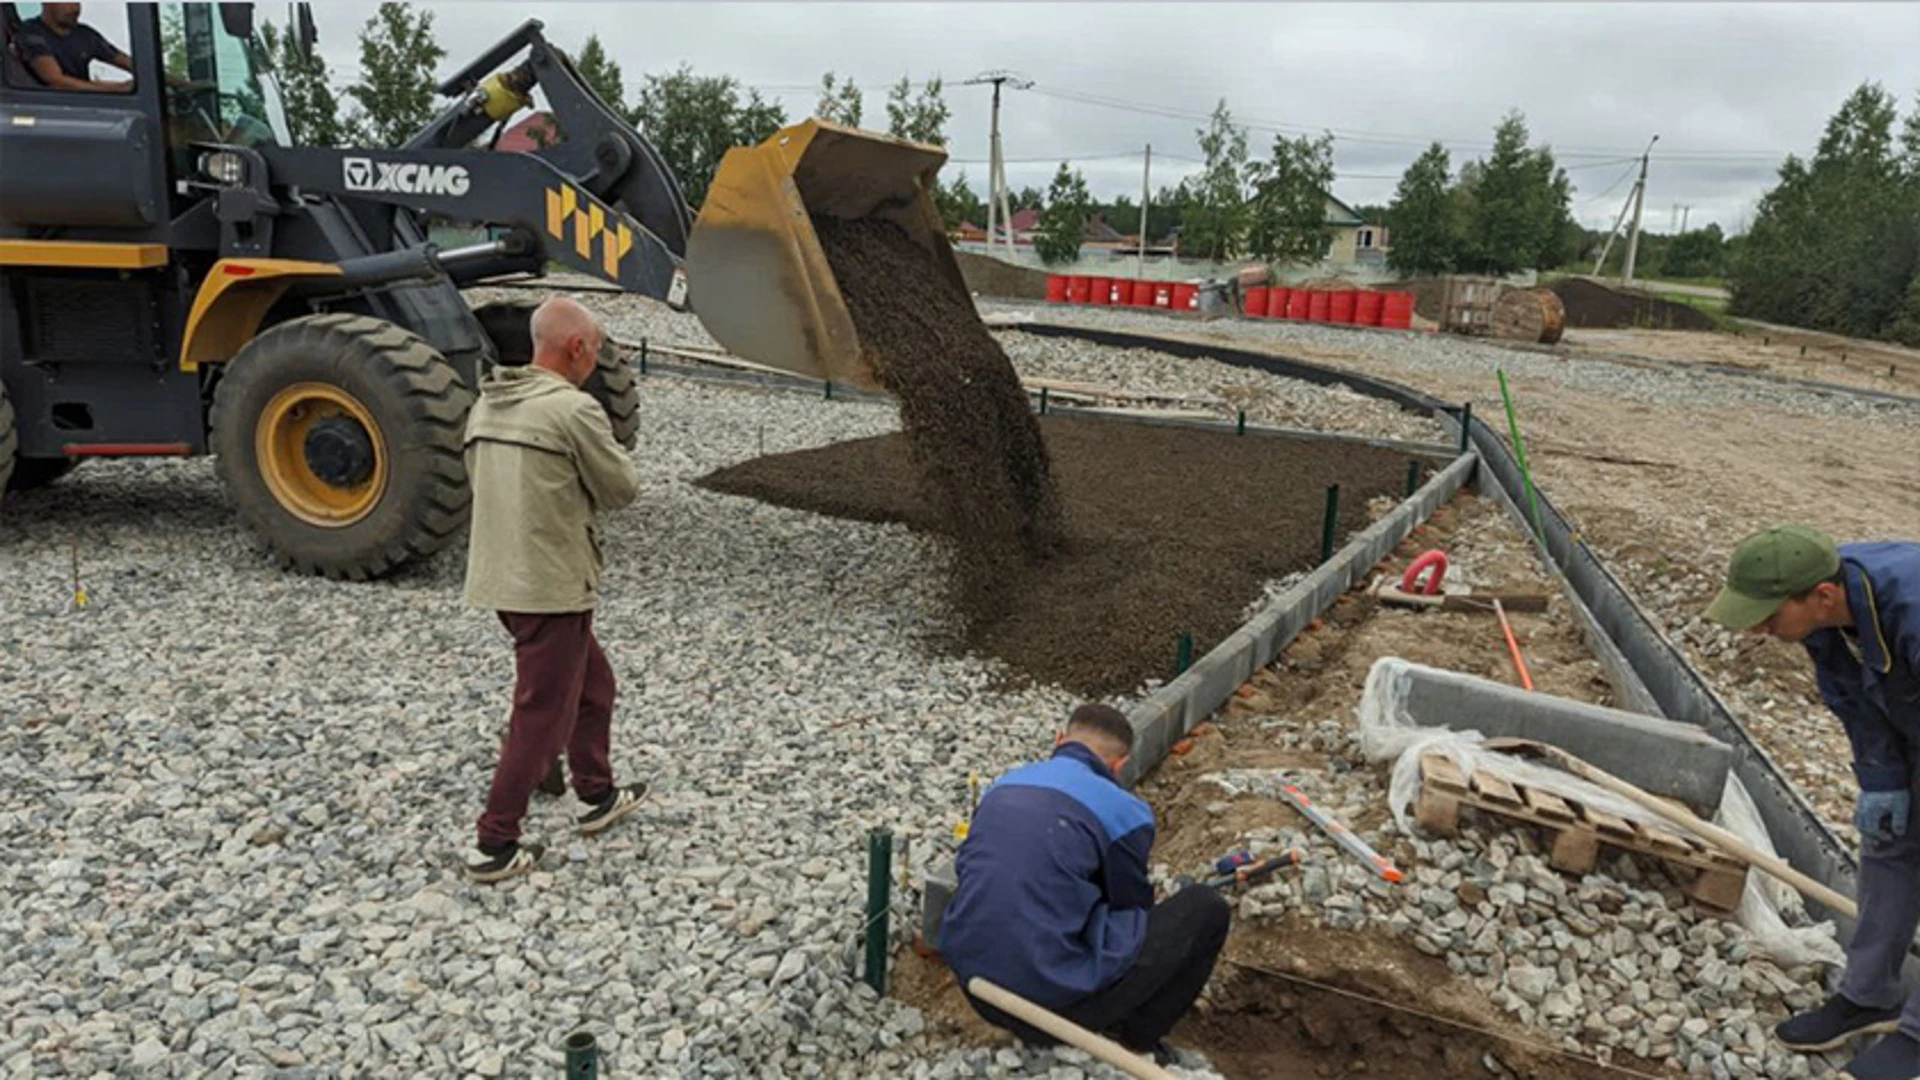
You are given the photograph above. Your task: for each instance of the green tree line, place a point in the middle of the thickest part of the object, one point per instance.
(1835, 244)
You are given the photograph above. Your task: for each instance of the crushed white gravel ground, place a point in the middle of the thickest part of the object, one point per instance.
(240, 797)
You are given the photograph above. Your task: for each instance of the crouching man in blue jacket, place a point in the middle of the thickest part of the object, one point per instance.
(1856, 609)
(1054, 903)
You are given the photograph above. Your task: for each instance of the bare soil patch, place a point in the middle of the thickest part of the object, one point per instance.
(1590, 304)
(1167, 530)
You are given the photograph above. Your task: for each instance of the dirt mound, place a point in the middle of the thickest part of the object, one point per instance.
(1592, 305)
(1167, 530)
(989, 276)
(1274, 1021)
(965, 415)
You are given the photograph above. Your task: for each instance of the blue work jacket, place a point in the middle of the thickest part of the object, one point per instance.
(1876, 691)
(1053, 892)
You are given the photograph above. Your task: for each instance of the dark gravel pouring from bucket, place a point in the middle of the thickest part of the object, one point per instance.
(970, 429)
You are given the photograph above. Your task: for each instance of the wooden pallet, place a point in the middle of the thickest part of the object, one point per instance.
(1578, 830)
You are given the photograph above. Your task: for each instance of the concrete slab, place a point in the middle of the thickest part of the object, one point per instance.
(1660, 756)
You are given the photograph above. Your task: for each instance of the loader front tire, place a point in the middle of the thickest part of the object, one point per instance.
(9, 441)
(338, 438)
(612, 384)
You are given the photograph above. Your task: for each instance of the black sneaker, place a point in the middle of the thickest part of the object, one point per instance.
(498, 864)
(1834, 1023)
(616, 804)
(1896, 1057)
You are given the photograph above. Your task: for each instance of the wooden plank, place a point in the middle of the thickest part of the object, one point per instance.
(1442, 772)
(1719, 889)
(1608, 824)
(1496, 788)
(1575, 850)
(1548, 805)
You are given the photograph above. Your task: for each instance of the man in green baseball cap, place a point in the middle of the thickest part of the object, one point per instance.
(1856, 610)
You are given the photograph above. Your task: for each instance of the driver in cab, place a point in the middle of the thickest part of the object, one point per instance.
(60, 50)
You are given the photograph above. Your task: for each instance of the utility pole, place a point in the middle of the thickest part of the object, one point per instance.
(1685, 212)
(1639, 200)
(1146, 171)
(997, 165)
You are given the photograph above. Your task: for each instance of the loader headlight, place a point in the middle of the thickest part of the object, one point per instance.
(223, 167)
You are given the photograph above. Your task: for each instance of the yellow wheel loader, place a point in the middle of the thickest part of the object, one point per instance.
(177, 279)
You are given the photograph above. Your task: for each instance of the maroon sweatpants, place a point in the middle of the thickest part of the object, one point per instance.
(562, 700)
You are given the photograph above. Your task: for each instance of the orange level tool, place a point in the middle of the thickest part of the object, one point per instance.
(1341, 834)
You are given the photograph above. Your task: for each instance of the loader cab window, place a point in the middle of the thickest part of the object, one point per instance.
(219, 86)
(76, 48)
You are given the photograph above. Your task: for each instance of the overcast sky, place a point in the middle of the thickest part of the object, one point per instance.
(1729, 88)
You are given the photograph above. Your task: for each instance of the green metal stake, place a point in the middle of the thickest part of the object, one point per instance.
(1240, 425)
(1413, 477)
(1333, 518)
(829, 389)
(643, 356)
(583, 1056)
(1043, 401)
(1466, 426)
(1520, 452)
(1183, 653)
(879, 902)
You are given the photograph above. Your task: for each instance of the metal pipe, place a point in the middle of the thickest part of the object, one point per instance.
(583, 1056)
(1183, 652)
(1413, 477)
(879, 904)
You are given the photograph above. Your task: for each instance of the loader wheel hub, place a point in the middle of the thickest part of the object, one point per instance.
(321, 454)
(340, 452)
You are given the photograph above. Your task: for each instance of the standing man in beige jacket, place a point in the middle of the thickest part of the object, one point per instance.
(542, 461)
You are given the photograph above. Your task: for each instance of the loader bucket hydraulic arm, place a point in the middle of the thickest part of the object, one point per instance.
(593, 146)
(558, 218)
(757, 275)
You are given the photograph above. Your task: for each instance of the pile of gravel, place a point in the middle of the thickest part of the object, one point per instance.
(240, 797)
(1617, 961)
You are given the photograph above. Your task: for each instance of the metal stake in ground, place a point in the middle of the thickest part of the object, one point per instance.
(583, 1056)
(879, 902)
(1327, 529)
(1183, 653)
(1520, 454)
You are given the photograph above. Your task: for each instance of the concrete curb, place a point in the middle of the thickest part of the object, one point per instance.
(1664, 757)
(1169, 713)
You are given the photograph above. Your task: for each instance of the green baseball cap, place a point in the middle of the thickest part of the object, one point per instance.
(1768, 567)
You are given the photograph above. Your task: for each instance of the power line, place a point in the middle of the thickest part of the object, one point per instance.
(1358, 136)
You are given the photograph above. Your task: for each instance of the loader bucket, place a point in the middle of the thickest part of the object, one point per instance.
(756, 274)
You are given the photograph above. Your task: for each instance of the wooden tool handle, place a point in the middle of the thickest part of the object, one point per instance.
(1831, 899)
(1066, 1030)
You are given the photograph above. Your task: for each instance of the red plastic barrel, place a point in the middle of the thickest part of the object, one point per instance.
(1163, 294)
(1255, 302)
(1317, 305)
(1297, 300)
(1186, 298)
(1340, 306)
(1397, 311)
(1277, 301)
(1056, 288)
(1121, 292)
(1143, 293)
(1367, 308)
(1100, 290)
(1077, 289)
